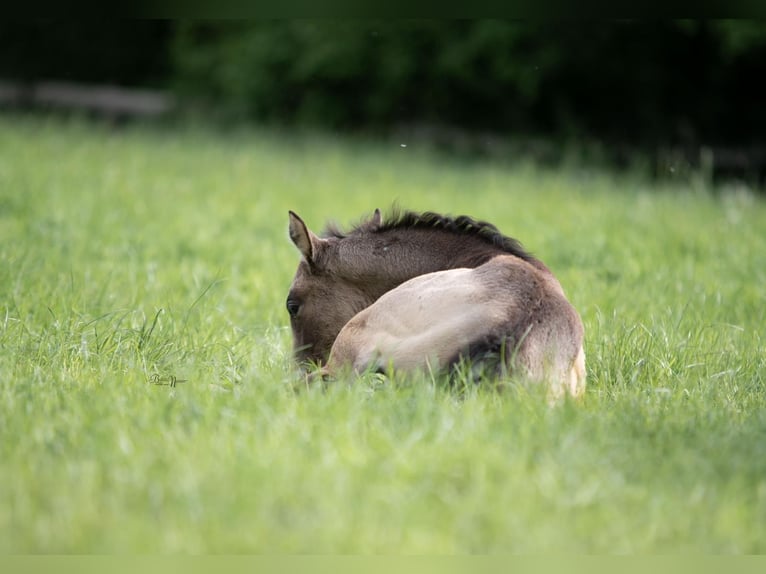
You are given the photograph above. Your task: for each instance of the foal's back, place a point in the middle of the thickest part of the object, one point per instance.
(433, 320)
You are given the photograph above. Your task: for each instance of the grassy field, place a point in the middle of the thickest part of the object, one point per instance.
(131, 253)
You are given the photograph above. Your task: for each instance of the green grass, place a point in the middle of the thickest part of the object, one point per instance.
(134, 252)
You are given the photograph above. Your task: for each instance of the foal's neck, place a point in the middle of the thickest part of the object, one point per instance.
(384, 260)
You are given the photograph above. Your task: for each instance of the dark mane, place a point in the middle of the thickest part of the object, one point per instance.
(461, 225)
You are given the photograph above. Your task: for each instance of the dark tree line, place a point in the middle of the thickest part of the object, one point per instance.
(642, 83)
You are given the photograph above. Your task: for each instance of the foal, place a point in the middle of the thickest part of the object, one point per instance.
(425, 290)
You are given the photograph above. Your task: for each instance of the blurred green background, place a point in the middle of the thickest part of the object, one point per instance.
(630, 86)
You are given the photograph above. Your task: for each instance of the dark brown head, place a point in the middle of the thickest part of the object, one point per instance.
(322, 297)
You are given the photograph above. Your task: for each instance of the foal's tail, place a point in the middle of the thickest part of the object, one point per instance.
(568, 381)
(575, 384)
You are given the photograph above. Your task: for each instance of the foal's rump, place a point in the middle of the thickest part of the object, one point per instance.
(506, 306)
(425, 320)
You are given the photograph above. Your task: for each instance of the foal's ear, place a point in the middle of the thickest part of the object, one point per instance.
(303, 238)
(376, 219)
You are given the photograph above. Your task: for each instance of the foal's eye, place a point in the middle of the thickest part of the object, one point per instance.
(293, 307)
